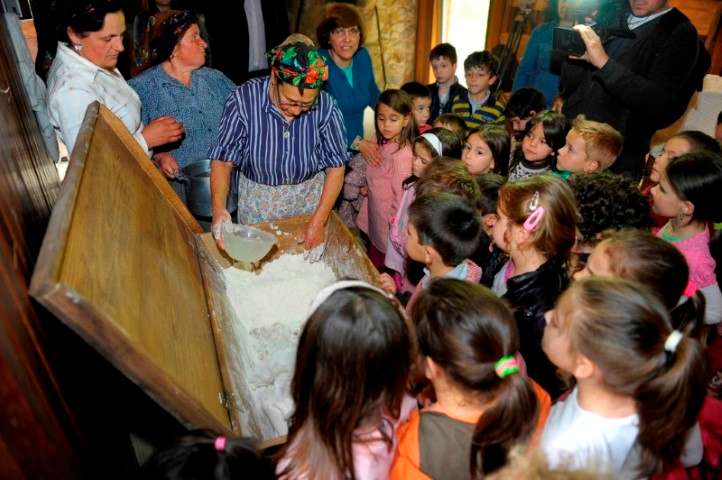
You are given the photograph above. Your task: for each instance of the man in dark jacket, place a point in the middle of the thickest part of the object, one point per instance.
(638, 83)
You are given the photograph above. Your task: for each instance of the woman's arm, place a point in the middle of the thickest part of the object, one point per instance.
(315, 230)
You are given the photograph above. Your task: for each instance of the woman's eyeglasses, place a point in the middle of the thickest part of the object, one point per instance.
(282, 100)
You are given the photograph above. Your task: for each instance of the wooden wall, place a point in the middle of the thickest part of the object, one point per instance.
(66, 413)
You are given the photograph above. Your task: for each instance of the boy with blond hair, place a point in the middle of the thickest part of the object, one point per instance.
(591, 147)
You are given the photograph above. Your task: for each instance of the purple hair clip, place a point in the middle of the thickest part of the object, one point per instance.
(537, 213)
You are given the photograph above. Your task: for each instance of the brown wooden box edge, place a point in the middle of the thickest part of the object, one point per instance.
(126, 266)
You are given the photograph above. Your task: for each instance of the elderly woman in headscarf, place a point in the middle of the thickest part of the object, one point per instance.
(288, 139)
(180, 86)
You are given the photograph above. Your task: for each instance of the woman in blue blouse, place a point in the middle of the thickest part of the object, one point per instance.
(351, 76)
(535, 67)
(181, 87)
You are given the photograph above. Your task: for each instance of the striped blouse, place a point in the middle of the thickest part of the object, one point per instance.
(269, 149)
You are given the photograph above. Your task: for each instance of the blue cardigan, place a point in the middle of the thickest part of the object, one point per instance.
(352, 100)
(534, 67)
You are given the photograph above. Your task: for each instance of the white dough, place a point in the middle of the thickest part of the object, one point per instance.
(270, 309)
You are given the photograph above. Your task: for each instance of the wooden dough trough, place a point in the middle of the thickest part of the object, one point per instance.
(127, 267)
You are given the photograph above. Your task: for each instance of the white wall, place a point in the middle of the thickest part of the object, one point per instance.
(464, 26)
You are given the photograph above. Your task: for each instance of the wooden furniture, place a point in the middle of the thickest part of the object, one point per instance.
(124, 265)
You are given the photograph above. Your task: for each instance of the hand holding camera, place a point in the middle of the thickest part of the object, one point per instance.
(581, 43)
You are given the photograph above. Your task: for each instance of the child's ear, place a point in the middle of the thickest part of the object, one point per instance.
(490, 219)
(431, 369)
(430, 254)
(687, 208)
(592, 166)
(521, 235)
(583, 368)
(492, 79)
(406, 120)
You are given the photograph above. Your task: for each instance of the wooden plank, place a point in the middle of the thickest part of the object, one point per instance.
(120, 267)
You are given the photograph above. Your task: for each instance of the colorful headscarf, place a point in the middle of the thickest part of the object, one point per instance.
(298, 64)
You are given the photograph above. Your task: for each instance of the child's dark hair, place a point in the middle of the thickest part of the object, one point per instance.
(696, 177)
(450, 148)
(555, 126)
(450, 143)
(457, 124)
(443, 50)
(700, 141)
(400, 102)
(639, 256)
(497, 138)
(448, 175)
(489, 185)
(482, 60)
(352, 365)
(525, 103)
(608, 202)
(448, 223)
(202, 454)
(416, 90)
(465, 328)
(623, 328)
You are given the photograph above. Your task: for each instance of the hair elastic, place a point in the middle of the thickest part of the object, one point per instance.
(670, 345)
(220, 444)
(506, 365)
(435, 142)
(537, 212)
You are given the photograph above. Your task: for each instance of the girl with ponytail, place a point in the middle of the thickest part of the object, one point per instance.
(640, 383)
(467, 343)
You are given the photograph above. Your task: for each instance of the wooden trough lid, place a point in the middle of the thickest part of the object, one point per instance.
(119, 265)
(126, 266)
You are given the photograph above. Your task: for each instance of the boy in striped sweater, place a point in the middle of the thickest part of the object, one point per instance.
(478, 105)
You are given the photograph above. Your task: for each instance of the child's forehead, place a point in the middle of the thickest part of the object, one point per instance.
(575, 135)
(478, 69)
(421, 100)
(442, 58)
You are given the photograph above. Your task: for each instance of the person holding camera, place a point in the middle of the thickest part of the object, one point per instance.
(638, 78)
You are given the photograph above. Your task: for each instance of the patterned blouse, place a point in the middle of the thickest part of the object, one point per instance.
(198, 107)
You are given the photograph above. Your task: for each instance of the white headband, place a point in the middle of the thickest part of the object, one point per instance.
(435, 142)
(326, 292)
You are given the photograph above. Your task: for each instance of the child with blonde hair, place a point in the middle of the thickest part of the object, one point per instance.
(590, 147)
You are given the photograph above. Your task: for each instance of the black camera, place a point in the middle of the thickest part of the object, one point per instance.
(568, 41)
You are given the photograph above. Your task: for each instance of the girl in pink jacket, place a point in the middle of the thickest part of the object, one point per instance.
(395, 133)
